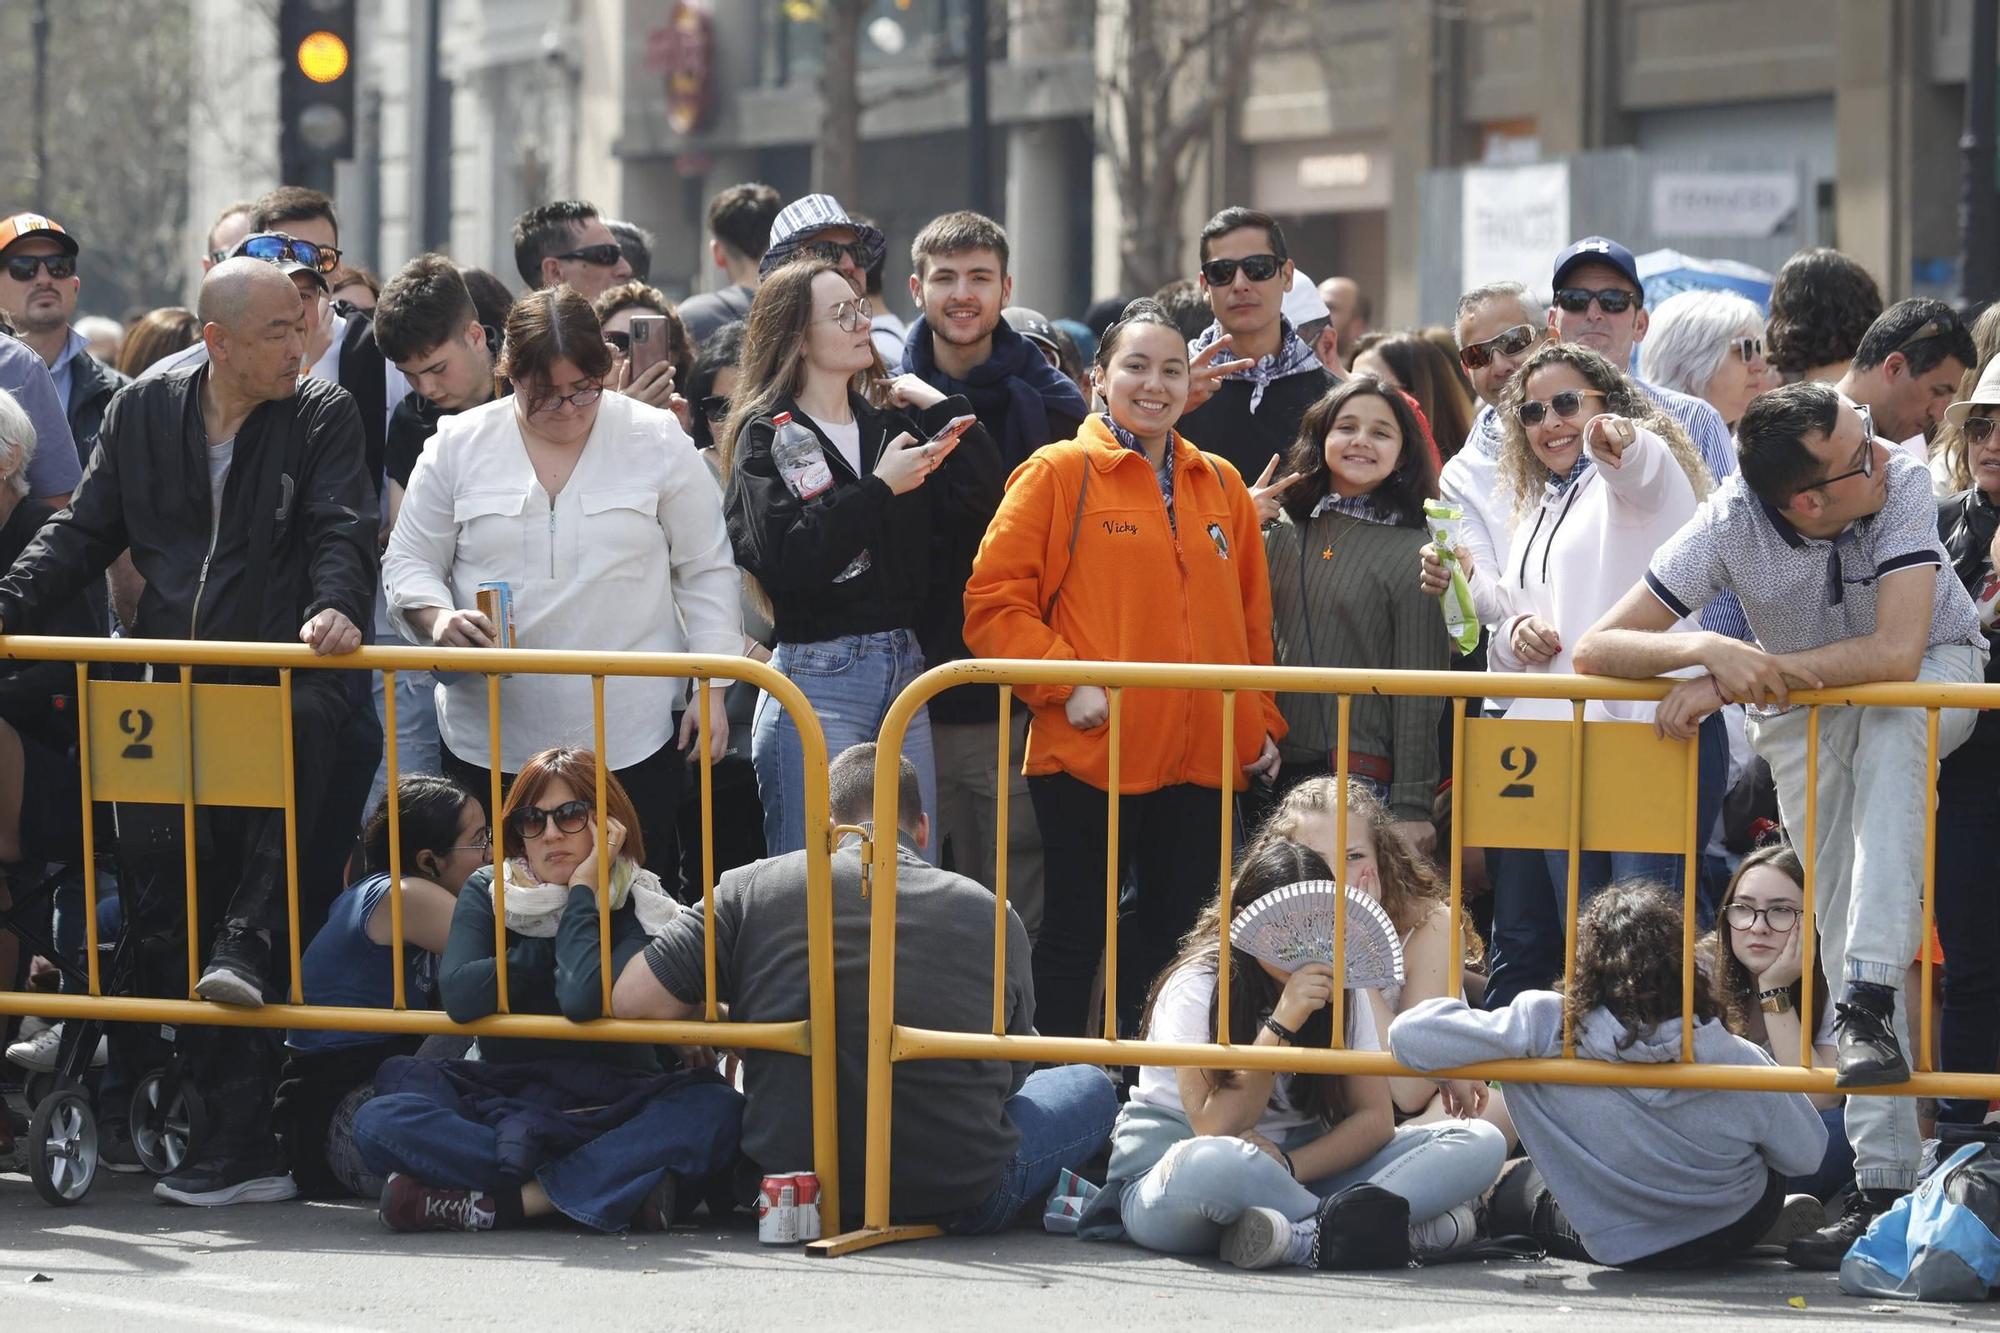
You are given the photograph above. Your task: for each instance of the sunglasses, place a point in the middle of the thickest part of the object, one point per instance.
(549, 402)
(1978, 430)
(1511, 342)
(21, 268)
(715, 407)
(1257, 268)
(1781, 918)
(275, 248)
(622, 341)
(852, 316)
(1565, 405)
(831, 251)
(569, 817)
(1750, 349)
(1611, 300)
(1867, 468)
(604, 256)
(1943, 324)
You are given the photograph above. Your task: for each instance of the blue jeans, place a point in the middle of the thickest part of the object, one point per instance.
(850, 683)
(1192, 1194)
(1836, 1167)
(1064, 1114)
(692, 1130)
(417, 740)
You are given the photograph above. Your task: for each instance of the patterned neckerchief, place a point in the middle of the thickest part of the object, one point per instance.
(1164, 474)
(1293, 357)
(1362, 507)
(1557, 487)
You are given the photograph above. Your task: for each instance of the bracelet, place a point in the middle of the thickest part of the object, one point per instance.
(1288, 1162)
(1283, 1033)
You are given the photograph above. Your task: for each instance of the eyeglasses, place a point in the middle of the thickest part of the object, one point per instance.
(21, 268)
(1943, 324)
(604, 256)
(1977, 430)
(1611, 300)
(1257, 268)
(276, 247)
(1512, 342)
(549, 402)
(482, 841)
(831, 252)
(569, 817)
(853, 315)
(1750, 349)
(1565, 405)
(1781, 918)
(1867, 468)
(715, 407)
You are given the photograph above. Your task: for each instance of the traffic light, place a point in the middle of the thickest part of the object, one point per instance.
(316, 88)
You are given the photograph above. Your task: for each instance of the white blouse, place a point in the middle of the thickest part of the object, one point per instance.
(632, 555)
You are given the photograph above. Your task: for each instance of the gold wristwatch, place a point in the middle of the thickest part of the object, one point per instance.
(1776, 1001)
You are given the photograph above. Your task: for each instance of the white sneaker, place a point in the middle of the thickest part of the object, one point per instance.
(1444, 1233)
(39, 1051)
(1257, 1239)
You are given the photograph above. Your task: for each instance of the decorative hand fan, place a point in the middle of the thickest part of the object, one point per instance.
(1293, 926)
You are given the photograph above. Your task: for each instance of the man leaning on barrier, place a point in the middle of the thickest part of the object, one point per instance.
(238, 488)
(977, 1141)
(1828, 535)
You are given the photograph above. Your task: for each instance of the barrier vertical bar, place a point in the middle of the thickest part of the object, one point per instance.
(820, 1016)
(1925, 1015)
(1809, 943)
(1343, 719)
(391, 778)
(601, 835)
(1117, 696)
(881, 887)
(1456, 984)
(291, 827)
(1575, 863)
(1690, 876)
(1001, 791)
(187, 824)
(707, 851)
(1228, 786)
(499, 848)
(89, 826)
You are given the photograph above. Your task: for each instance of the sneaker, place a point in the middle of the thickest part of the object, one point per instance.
(39, 1052)
(408, 1205)
(235, 973)
(114, 1148)
(1258, 1239)
(1802, 1215)
(656, 1212)
(1822, 1250)
(1448, 1231)
(1869, 1053)
(218, 1178)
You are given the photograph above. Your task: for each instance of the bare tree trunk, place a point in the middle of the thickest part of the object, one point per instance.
(837, 155)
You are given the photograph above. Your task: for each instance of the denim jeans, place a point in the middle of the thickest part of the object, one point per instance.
(1203, 1184)
(1064, 1114)
(850, 683)
(1869, 858)
(417, 740)
(692, 1130)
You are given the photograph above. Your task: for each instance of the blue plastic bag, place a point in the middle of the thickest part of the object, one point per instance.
(1937, 1243)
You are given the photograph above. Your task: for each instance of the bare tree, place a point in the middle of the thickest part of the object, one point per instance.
(837, 154)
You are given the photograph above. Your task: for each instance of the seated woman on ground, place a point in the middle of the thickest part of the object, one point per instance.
(592, 1130)
(329, 1075)
(1244, 1162)
(1758, 991)
(1631, 1177)
(1382, 862)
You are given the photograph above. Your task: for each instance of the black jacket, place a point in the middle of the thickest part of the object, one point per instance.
(1966, 524)
(297, 529)
(364, 373)
(796, 550)
(1225, 424)
(91, 385)
(29, 690)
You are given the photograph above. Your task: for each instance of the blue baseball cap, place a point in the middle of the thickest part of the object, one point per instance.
(1599, 250)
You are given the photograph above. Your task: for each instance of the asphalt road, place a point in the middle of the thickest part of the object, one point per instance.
(123, 1260)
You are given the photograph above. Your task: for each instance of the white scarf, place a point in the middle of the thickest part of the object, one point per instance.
(534, 908)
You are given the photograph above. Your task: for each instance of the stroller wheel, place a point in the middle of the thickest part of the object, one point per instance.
(36, 1088)
(164, 1135)
(62, 1146)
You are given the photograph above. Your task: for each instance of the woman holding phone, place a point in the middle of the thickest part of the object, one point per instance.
(1128, 544)
(845, 558)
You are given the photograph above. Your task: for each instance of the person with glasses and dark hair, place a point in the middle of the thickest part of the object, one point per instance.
(713, 379)
(817, 227)
(566, 244)
(1907, 371)
(1830, 537)
(534, 1127)
(594, 509)
(57, 463)
(38, 290)
(739, 231)
(658, 384)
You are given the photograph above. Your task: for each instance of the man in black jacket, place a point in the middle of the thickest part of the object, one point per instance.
(238, 487)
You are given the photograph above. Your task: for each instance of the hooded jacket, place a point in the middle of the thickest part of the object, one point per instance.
(1637, 1170)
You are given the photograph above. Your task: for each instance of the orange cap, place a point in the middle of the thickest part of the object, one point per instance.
(23, 225)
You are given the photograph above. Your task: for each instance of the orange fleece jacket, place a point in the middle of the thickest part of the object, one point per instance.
(1135, 590)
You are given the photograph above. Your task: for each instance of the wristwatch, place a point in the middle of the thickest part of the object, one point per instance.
(1777, 1001)
(1283, 1033)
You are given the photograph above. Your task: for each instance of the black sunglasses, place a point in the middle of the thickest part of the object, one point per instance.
(276, 247)
(622, 341)
(1944, 324)
(715, 407)
(1565, 405)
(1977, 430)
(604, 256)
(1511, 342)
(1611, 300)
(831, 251)
(1257, 268)
(21, 268)
(530, 820)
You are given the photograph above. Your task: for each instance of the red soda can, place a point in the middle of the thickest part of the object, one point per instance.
(806, 1186)
(777, 1211)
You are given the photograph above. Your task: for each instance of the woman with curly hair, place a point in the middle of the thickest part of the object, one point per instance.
(1654, 1178)
(1821, 305)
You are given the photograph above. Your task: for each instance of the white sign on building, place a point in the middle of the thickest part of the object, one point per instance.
(1514, 220)
(1723, 203)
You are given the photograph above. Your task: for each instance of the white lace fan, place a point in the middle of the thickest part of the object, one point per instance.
(1293, 926)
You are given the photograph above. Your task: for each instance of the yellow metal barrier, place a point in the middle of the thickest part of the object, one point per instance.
(188, 744)
(1525, 784)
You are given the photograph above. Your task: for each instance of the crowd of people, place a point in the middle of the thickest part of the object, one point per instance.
(1235, 470)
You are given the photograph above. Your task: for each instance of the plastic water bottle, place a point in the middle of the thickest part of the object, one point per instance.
(802, 463)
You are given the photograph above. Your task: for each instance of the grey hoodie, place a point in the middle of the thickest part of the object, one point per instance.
(1637, 1170)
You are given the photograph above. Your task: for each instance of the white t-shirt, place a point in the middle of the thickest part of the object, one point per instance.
(846, 437)
(1182, 1014)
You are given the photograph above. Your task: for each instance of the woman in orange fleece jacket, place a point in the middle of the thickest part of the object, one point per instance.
(1127, 544)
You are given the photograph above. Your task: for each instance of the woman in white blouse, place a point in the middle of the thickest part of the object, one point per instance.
(600, 515)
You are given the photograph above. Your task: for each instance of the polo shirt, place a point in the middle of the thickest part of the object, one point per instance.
(1805, 592)
(1710, 434)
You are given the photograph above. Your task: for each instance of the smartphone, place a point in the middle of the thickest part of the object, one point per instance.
(649, 342)
(954, 428)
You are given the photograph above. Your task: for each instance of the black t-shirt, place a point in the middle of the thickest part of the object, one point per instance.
(411, 426)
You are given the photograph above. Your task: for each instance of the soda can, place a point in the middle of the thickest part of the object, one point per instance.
(806, 1186)
(777, 1211)
(496, 603)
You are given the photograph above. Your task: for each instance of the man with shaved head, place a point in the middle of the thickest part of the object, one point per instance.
(238, 487)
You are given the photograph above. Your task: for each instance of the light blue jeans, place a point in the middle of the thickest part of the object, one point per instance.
(1064, 1114)
(850, 683)
(417, 742)
(1183, 1205)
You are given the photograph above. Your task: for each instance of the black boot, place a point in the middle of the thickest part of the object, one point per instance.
(1824, 1249)
(1865, 1025)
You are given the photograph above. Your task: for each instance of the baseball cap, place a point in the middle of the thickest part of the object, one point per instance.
(816, 212)
(1600, 250)
(23, 225)
(1032, 325)
(1302, 304)
(1985, 394)
(287, 260)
